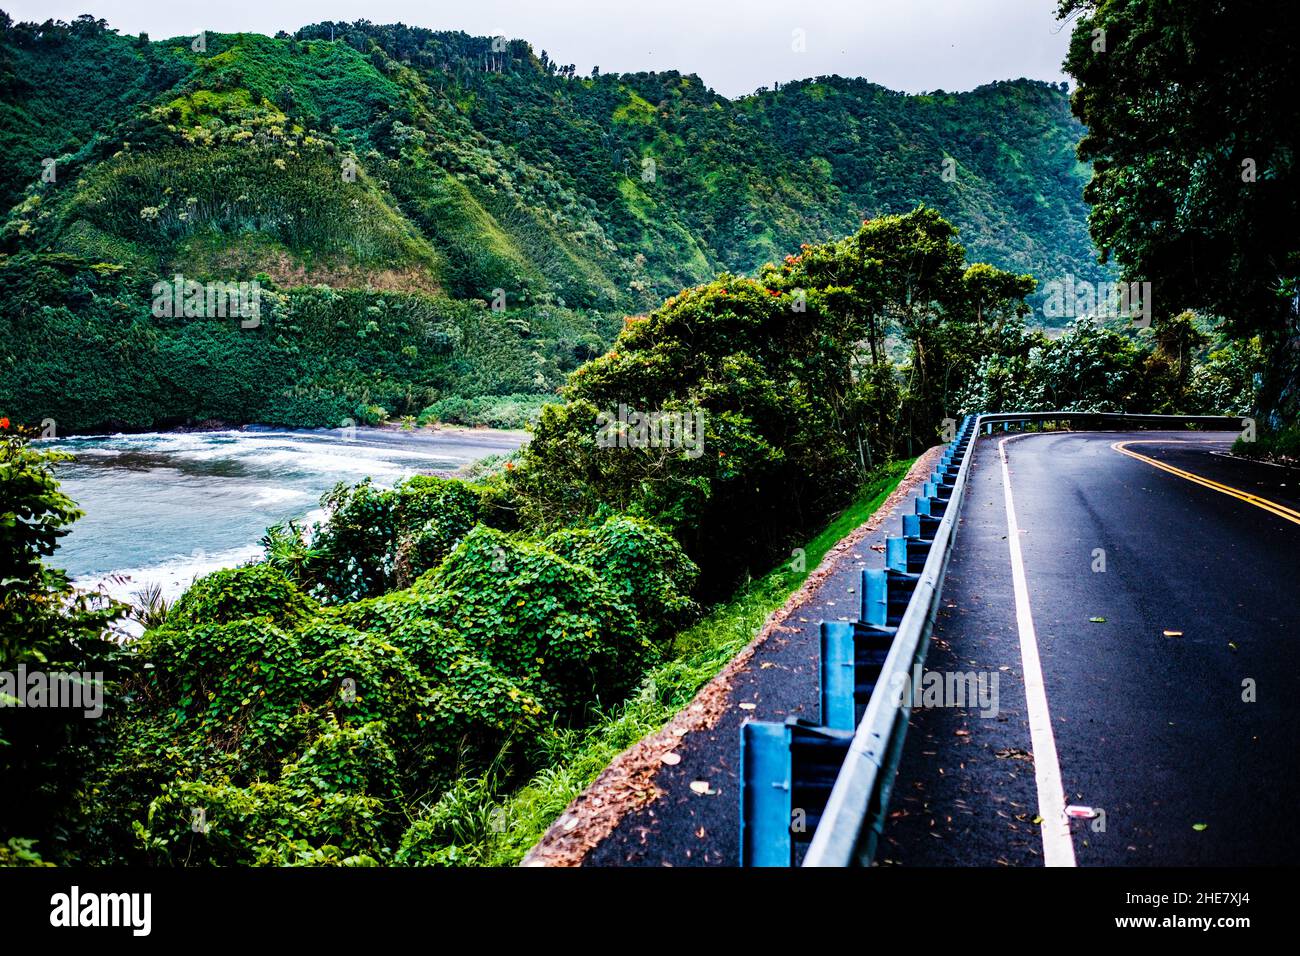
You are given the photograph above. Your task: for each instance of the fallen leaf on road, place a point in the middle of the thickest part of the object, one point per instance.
(1198, 827)
(1096, 620)
(748, 706)
(670, 758)
(702, 787)
(1173, 633)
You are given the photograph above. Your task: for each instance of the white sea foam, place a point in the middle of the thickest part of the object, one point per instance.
(172, 576)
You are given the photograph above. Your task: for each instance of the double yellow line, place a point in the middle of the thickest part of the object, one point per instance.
(1270, 506)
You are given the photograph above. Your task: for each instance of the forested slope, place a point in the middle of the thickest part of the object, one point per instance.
(519, 210)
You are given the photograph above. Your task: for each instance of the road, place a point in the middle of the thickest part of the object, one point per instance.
(1166, 617)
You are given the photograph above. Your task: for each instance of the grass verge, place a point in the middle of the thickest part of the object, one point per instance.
(497, 830)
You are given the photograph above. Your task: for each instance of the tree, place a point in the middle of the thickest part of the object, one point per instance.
(45, 627)
(1192, 131)
(992, 294)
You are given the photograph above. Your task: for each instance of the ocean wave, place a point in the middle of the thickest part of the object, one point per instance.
(172, 576)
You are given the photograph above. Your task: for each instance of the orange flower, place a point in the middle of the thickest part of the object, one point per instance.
(510, 466)
(4, 423)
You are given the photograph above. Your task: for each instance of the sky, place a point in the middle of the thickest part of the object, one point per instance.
(735, 46)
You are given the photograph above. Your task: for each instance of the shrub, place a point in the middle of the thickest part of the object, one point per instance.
(770, 387)
(492, 411)
(374, 539)
(641, 563)
(236, 594)
(532, 613)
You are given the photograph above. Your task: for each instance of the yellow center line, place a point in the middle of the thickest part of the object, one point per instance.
(1270, 506)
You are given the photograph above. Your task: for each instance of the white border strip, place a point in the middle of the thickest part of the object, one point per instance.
(1058, 846)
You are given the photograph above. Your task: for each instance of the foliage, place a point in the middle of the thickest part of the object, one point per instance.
(377, 539)
(484, 821)
(1194, 185)
(1277, 445)
(492, 411)
(46, 627)
(418, 177)
(80, 345)
(770, 368)
(265, 728)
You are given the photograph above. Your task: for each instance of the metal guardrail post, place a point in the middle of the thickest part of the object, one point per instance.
(838, 675)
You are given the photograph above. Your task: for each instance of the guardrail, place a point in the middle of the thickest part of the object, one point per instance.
(826, 786)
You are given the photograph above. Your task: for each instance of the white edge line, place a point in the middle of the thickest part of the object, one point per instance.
(1058, 845)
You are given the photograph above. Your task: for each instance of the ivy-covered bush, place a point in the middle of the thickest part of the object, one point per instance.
(332, 806)
(531, 612)
(305, 733)
(641, 563)
(375, 539)
(235, 594)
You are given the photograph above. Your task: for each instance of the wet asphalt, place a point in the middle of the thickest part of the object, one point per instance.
(1156, 731)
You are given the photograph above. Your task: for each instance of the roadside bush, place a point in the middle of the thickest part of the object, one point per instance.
(769, 387)
(641, 563)
(532, 613)
(337, 805)
(1281, 445)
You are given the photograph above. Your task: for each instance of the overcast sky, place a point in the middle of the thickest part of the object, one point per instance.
(736, 46)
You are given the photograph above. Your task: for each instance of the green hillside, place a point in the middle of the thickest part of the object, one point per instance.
(461, 178)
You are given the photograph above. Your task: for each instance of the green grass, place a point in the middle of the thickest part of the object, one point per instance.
(576, 757)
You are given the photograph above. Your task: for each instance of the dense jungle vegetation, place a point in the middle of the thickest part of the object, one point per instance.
(389, 186)
(414, 682)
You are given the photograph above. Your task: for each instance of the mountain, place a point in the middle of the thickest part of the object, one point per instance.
(469, 181)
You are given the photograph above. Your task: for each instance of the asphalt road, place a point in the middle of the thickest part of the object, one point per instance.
(1200, 596)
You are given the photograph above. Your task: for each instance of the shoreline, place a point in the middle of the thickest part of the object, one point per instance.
(233, 472)
(384, 435)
